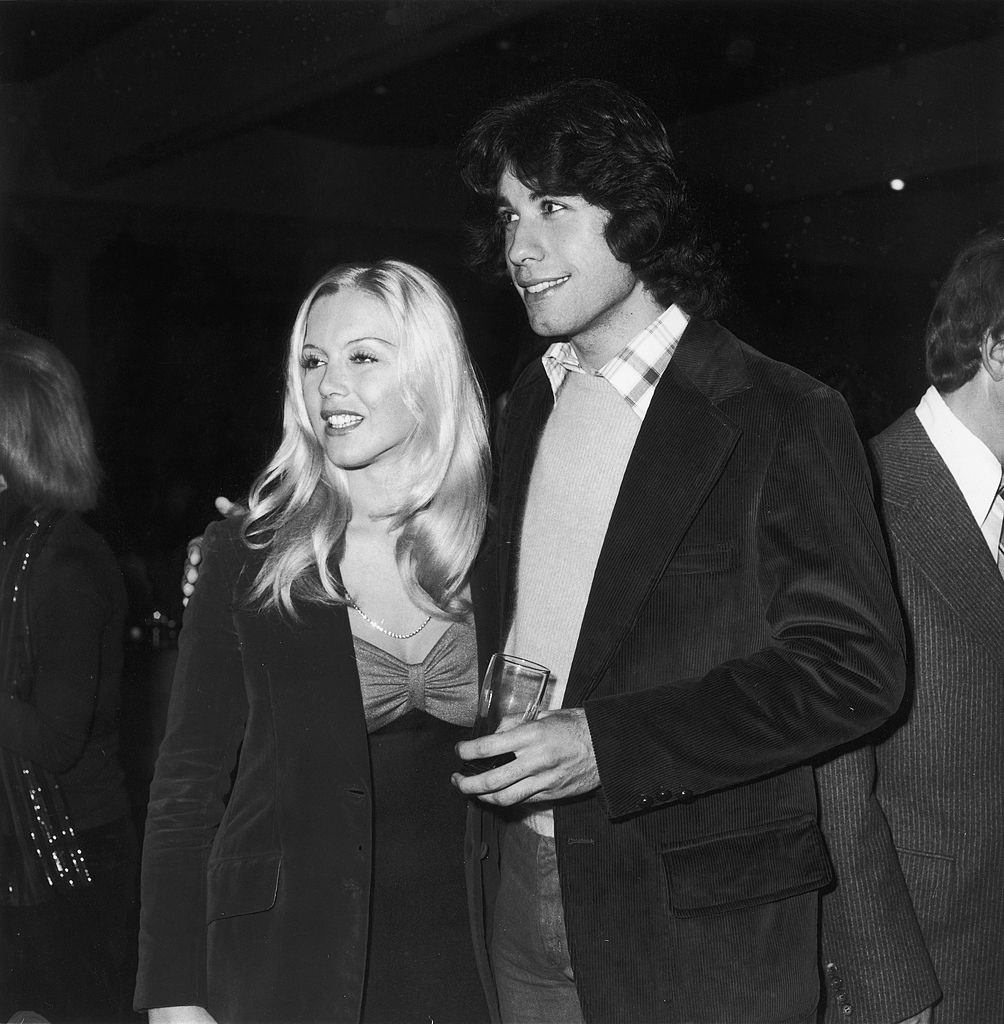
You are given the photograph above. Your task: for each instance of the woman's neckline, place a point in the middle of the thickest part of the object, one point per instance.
(356, 639)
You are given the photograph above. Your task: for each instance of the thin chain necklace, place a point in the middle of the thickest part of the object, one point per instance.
(387, 632)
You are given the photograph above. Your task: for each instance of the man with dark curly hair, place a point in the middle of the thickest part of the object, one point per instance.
(687, 540)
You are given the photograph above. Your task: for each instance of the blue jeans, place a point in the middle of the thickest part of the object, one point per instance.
(529, 948)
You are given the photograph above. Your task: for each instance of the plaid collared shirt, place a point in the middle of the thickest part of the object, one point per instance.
(635, 370)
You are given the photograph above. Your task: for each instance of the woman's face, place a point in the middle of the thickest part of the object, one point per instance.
(349, 361)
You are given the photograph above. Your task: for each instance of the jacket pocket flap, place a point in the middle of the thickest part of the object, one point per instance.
(730, 872)
(708, 558)
(243, 885)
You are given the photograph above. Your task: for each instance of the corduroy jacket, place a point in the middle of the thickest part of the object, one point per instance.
(741, 621)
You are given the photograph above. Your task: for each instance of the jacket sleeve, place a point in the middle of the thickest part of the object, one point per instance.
(205, 725)
(71, 604)
(875, 963)
(833, 667)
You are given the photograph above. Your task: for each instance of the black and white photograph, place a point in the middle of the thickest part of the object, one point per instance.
(502, 511)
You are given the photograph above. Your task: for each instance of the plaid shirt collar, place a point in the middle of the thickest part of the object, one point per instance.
(635, 370)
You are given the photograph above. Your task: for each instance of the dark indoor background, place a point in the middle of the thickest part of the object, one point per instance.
(173, 176)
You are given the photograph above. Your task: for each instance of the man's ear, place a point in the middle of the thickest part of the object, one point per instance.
(992, 355)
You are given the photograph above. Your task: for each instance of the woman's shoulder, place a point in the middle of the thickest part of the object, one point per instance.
(74, 545)
(226, 533)
(225, 545)
(77, 561)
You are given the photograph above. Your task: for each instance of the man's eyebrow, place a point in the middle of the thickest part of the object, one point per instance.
(534, 195)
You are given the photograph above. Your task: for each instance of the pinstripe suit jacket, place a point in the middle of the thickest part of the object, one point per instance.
(741, 620)
(939, 766)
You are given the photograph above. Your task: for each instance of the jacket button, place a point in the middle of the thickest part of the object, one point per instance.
(644, 800)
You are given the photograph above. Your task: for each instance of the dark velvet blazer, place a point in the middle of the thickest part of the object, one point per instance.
(939, 770)
(741, 620)
(255, 904)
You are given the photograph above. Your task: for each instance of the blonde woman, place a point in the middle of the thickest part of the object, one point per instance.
(303, 854)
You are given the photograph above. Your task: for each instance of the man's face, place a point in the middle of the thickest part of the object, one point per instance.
(570, 282)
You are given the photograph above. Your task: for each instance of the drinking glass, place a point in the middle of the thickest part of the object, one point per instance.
(511, 694)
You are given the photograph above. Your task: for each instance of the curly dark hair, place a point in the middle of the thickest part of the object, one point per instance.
(970, 304)
(594, 139)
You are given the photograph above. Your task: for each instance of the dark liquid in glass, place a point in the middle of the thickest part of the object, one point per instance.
(477, 765)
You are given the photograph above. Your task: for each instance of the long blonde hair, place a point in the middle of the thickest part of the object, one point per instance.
(299, 506)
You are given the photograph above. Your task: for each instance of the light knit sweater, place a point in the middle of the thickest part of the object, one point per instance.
(584, 449)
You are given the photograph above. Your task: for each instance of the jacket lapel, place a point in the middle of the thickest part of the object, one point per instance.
(529, 406)
(312, 674)
(485, 598)
(926, 514)
(682, 447)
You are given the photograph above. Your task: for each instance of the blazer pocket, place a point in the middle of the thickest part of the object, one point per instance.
(242, 885)
(708, 558)
(743, 870)
(931, 879)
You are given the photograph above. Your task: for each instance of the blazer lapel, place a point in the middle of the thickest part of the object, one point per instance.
(529, 406)
(926, 514)
(485, 598)
(684, 443)
(311, 664)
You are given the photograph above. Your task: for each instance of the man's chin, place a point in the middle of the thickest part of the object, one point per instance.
(546, 327)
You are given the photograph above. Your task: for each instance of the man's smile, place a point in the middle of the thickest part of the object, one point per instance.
(539, 287)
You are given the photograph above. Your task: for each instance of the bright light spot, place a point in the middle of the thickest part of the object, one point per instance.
(897, 184)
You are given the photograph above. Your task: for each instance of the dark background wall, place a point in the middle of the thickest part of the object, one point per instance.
(173, 176)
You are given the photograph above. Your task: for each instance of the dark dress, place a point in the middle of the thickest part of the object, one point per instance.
(69, 957)
(420, 964)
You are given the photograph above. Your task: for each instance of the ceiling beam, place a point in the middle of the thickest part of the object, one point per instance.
(194, 72)
(275, 173)
(833, 140)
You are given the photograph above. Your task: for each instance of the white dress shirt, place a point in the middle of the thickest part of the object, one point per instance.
(972, 464)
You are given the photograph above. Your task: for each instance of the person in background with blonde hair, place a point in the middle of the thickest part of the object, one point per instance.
(303, 853)
(64, 949)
